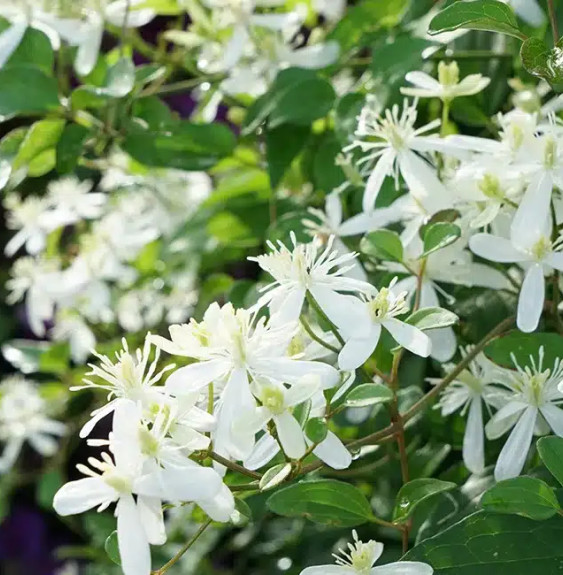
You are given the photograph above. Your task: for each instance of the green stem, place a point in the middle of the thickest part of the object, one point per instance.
(553, 21)
(184, 549)
(234, 466)
(179, 87)
(445, 118)
(317, 338)
(313, 303)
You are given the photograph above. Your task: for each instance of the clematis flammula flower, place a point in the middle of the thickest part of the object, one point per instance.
(392, 145)
(233, 348)
(277, 403)
(360, 559)
(130, 377)
(447, 87)
(529, 245)
(378, 312)
(314, 268)
(73, 200)
(472, 388)
(24, 417)
(532, 407)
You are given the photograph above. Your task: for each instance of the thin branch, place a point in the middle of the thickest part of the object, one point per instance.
(234, 466)
(317, 338)
(313, 303)
(553, 21)
(184, 549)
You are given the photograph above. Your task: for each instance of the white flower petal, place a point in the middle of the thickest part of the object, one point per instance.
(495, 249)
(530, 11)
(221, 507)
(357, 351)
(530, 302)
(423, 80)
(134, 549)
(403, 568)
(333, 452)
(264, 451)
(196, 376)
(89, 46)
(513, 455)
(79, 496)
(375, 180)
(152, 518)
(554, 417)
(409, 336)
(504, 419)
(444, 343)
(474, 438)
(329, 570)
(290, 435)
(292, 371)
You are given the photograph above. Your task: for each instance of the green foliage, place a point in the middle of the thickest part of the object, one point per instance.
(542, 62)
(523, 346)
(368, 394)
(432, 318)
(493, 544)
(414, 493)
(112, 549)
(316, 429)
(438, 236)
(525, 496)
(328, 502)
(383, 244)
(551, 453)
(491, 15)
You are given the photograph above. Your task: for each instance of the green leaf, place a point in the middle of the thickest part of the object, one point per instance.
(112, 548)
(525, 496)
(362, 21)
(34, 50)
(493, 544)
(368, 394)
(274, 476)
(26, 90)
(40, 137)
(490, 15)
(542, 62)
(244, 511)
(432, 318)
(316, 429)
(327, 174)
(551, 453)
(283, 144)
(412, 494)
(326, 501)
(392, 60)
(439, 236)
(120, 78)
(47, 486)
(184, 146)
(293, 108)
(69, 147)
(523, 346)
(383, 244)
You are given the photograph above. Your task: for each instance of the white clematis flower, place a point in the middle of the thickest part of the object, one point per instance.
(532, 407)
(379, 312)
(447, 87)
(472, 388)
(24, 417)
(529, 245)
(73, 200)
(314, 268)
(392, 145)
(360, 558)
(233, 349)
(131, 377)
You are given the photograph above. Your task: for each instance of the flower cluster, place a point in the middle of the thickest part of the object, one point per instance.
(83, 248)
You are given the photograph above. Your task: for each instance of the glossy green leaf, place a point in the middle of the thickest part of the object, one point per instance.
(368, 394)
(551, 452)
(543, 62)
(70, 146)
(327, 501)
(412, 494)
(493, 544)
(522, 346)
(283, 144)
(383, 244)
(316, 429)
(185, 146)
(490, 15)
(432, 318)
(26, 90)
(525, 496)
(439, 236)
(274, 476)
(40, 137)
(112, 548)
(34, 50)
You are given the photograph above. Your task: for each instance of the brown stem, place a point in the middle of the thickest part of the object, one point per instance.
(234, 466)
(553, 21)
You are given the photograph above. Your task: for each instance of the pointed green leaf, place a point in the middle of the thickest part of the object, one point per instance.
(368, 394)
(412, 494)
(383, 244)
(551, 452)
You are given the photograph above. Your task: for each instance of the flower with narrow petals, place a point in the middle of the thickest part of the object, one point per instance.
(24, 417)
(360, 559)
(472, 388)
(532, 406)
(447, 87)
(314, 268)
